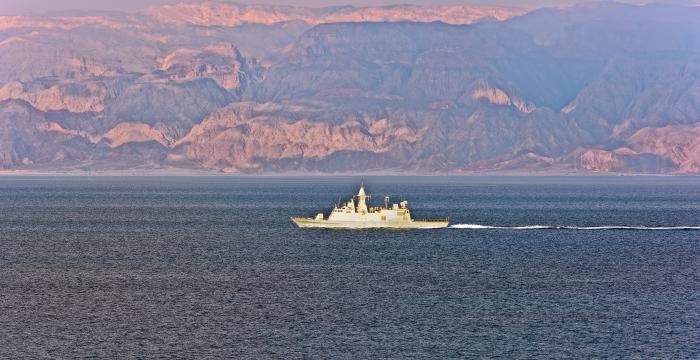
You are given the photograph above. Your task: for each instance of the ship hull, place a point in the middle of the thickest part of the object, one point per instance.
(307, 223)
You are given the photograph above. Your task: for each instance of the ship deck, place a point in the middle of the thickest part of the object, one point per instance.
(310, 223)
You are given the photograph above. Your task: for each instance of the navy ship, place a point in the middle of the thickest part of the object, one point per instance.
(356, 214)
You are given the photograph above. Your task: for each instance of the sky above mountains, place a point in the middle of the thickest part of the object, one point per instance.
(15, 7)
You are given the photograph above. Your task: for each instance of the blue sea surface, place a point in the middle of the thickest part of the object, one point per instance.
(198, 267)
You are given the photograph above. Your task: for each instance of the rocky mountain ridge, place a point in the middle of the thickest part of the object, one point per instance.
(219, 13)
(260, 89)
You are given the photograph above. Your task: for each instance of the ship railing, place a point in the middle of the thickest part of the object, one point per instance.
(433, 220)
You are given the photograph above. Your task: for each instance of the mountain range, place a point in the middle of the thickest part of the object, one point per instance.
(218, 86)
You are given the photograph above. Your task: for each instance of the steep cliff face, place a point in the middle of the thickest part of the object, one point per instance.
(177, 106)
(28, 138)
(680, 144)
(638, 64)
(399, 64)
(45, 48)
(253, 137)
(222, 63)
(226, 87)
(54, 94)
(617, 160)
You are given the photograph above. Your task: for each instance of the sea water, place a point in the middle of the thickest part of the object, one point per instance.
(198, 267)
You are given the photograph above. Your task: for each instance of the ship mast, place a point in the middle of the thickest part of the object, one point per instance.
(362, 199)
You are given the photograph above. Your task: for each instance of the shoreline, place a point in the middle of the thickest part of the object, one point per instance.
(211, 173)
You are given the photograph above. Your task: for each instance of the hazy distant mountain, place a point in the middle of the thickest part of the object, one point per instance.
(601, 87)
(213, 13)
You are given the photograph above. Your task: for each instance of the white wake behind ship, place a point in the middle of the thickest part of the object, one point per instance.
(355, 214)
